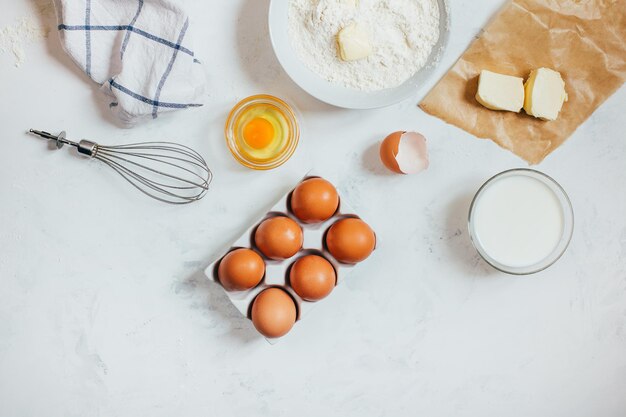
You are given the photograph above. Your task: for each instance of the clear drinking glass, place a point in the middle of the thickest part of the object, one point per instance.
(568, 223)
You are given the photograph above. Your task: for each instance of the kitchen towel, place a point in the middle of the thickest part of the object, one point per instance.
(138, 51)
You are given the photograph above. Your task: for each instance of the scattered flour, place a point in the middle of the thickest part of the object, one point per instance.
(14, 38)
(402, 33)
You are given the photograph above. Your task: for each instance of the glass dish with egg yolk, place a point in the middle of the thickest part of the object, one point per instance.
(262, 132)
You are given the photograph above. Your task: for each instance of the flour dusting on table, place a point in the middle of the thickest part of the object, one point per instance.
(402, 34)
(14, 38)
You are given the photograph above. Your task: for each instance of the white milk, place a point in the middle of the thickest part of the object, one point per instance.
(518, 220)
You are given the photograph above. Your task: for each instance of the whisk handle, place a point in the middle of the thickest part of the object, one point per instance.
(84, 147)
(87, 147)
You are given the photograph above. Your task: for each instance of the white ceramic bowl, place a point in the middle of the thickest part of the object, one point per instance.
(341, 96)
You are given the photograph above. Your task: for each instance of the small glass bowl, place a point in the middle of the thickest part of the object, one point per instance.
(568, 223)
(293, 134)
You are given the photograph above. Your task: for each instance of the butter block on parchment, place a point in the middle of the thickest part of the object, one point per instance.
(582, 40)
(500, 92)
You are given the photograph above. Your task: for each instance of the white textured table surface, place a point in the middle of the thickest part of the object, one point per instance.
(103, 311)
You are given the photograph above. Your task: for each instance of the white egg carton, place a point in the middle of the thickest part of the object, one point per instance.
(277, 272)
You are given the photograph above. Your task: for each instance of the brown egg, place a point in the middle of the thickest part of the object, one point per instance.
(312, 277)
(314, 200)
(241, 269)
(278, 237)
(404, 152)
(350, 240)
(273, 312)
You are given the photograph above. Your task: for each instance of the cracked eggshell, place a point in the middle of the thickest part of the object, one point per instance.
(404, 152)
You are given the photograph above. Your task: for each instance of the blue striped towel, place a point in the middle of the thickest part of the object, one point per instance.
(137, 50)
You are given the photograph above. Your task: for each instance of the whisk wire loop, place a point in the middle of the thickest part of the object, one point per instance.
(144, 185)
(137, 164)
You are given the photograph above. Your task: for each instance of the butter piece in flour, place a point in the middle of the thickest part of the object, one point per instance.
(354, 42)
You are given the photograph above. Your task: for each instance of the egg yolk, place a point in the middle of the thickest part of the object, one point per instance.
(258, 133)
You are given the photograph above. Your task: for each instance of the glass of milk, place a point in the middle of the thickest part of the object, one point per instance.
(521, 221)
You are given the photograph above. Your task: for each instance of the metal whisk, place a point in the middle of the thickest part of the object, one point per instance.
(165, 171)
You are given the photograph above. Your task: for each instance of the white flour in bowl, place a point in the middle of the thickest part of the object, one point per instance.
(402, 34)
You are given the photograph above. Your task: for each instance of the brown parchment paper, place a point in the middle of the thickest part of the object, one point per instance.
(585, 40)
